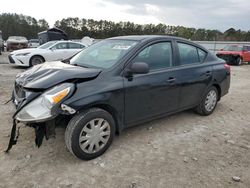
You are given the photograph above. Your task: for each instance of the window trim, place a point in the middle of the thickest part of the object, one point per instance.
(146, 46)
(178, 54)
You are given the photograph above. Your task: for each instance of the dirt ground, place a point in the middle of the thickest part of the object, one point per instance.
(183, 150)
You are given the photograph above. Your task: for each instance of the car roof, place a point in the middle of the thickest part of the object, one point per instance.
(60, 41)
(146, 37)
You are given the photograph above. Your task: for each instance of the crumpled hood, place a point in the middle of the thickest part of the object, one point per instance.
(229, 52)
(49, 74)
(27, 50)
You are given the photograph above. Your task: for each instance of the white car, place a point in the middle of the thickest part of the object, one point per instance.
(50, 51)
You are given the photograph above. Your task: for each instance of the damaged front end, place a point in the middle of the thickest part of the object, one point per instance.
(40, 109)
(231, 59)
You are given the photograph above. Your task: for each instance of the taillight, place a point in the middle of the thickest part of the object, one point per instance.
(227, 67)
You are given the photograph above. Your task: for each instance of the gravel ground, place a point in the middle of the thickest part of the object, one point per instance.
(183, 150)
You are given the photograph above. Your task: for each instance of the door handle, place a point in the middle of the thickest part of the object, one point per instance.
(171, 80)
(208, 73)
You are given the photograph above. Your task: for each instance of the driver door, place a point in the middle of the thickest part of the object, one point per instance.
(155, 93)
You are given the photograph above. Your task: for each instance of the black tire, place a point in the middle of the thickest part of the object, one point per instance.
(76, 126)
(35, 60)
(201, 108)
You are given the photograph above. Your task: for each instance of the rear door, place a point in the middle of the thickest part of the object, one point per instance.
(194, 74)
(246, 51)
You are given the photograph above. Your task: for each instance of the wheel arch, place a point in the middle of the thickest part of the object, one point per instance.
(109, 109)
(217, 86)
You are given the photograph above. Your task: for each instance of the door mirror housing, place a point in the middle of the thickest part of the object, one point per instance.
(139, 68)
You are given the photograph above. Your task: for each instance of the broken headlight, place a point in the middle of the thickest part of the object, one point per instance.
(41, 108)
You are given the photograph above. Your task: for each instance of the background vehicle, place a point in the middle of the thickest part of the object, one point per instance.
(235, 54)
(51, 35)
(16, 43)
(117, 83)
(1, 43)
(33, 43)
(50, 51)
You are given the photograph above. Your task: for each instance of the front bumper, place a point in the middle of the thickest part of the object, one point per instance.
(231, 59)
(20, 60)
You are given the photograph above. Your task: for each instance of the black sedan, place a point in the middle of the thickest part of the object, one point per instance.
(114, 84)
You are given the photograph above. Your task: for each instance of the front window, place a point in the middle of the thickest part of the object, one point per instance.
(157, 56)
(47, 45)
(103, 54)
(233, 48)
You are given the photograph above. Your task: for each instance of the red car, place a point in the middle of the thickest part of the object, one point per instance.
(235, 54)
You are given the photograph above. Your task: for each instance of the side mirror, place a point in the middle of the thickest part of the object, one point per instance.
(222, 49)
(139, 68)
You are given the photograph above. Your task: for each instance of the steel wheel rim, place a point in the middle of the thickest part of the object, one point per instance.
(211, 100)
(36, 61)
(94, 135)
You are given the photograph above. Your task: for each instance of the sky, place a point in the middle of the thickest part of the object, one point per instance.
(208, 14)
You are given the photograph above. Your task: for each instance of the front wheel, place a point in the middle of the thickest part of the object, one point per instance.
(90, 133)
(35, 60)
(208, 103)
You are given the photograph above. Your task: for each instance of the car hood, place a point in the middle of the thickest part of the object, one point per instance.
(28, 50)
(49, 74)
(229, 52)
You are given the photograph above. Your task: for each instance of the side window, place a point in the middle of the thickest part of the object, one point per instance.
(157, 56)
(60, 46)
(188, 54)
(75, 46)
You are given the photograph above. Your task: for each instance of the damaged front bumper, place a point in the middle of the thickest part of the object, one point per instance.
(231, 59)
(40, 110)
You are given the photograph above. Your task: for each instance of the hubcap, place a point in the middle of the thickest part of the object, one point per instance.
(211, 100)
(36, 61)
(94, 135)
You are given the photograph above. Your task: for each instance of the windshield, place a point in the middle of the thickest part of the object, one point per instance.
(47, 45)
(233, 48)
(17, 38)
(103, 54)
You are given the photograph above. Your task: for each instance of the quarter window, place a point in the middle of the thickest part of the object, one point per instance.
(190, 54)
(202, 55)
(157, 56)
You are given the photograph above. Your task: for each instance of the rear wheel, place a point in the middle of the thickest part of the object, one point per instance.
(208, 103)
(90, 133)
(35, 60)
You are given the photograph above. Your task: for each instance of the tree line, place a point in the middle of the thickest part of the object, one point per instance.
(76, 28)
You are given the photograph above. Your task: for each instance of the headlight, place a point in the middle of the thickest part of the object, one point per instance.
(41, 108)
(23, 54)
